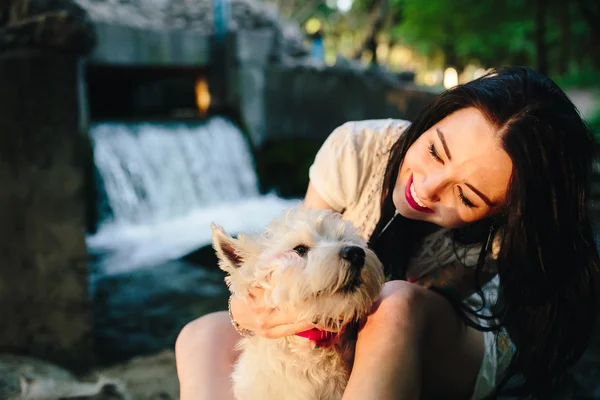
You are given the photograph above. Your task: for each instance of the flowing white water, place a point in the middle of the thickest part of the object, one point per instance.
(164, 184)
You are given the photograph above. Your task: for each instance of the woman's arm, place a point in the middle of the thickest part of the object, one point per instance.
(314, 200)
(454, 279)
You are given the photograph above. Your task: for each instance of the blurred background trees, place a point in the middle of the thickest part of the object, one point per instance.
(557, 37)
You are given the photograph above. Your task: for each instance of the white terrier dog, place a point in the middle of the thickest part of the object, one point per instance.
(315, 265)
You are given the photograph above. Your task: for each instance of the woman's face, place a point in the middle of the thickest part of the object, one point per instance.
(455, 173)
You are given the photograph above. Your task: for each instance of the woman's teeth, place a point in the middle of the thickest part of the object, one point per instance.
(414, 196)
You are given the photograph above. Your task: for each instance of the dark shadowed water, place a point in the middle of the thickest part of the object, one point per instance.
(152, 268)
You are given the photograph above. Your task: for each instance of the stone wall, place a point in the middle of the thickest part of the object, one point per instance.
(247, 62)
(309, 102)
(44, 157)
(59, 25)
(177, 32)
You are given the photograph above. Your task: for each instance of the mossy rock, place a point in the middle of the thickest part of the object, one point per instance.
(283, 166)
(30, 378)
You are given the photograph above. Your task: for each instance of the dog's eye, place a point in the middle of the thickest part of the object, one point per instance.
(301, 249)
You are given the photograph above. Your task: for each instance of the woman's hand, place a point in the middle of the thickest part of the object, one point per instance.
(265, 321)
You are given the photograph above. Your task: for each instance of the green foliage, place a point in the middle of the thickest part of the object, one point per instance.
(283, 166)
(456, 33)
(486, 32)
(492, 33)
(580, 78)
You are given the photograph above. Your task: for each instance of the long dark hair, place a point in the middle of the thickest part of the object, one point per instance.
(548, 263)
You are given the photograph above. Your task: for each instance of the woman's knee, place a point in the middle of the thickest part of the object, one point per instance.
(401, 304)
(205, 355)
(204, 333)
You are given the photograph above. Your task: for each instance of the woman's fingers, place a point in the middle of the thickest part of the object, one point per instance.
(255, 316)
(267, 321)
(272, 317)
(280, 331)
(256, 293)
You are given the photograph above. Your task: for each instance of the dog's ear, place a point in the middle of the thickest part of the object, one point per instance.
(228, 249)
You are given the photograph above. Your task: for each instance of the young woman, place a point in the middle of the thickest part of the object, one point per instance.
(481, 205)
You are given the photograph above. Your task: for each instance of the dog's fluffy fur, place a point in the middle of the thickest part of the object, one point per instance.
(316, 282)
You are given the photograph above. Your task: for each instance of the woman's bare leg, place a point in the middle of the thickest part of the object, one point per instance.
(413, 345)
(205, 356)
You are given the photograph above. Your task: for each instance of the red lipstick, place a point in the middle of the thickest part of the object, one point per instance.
(411, 201)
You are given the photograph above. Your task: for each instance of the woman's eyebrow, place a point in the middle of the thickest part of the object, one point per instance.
(483, 196)
(444, 144)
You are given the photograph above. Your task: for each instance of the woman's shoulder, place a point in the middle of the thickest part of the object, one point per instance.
(368, 135)
(348, 164)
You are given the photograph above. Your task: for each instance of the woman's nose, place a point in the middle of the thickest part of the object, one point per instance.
(432, 186)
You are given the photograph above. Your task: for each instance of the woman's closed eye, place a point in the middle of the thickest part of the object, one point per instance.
(464, 200)
(468, 203)
(435, 154)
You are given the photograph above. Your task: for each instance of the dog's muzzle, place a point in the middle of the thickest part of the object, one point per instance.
(355, 256)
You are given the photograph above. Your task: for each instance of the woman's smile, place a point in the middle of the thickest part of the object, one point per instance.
(413, 199)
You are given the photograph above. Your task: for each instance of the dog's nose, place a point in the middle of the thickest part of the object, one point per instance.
(354, 255)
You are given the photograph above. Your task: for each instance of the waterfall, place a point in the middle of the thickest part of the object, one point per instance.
(152, 172)
(161, 185)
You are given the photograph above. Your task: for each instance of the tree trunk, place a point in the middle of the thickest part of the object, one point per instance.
(590, 11)
(376, 22)
(564, 20)
(540, 36)
(448, 47)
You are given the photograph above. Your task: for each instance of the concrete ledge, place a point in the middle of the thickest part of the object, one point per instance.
(125, 45)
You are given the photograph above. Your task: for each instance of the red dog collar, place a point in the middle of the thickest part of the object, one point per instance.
(322, 338)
